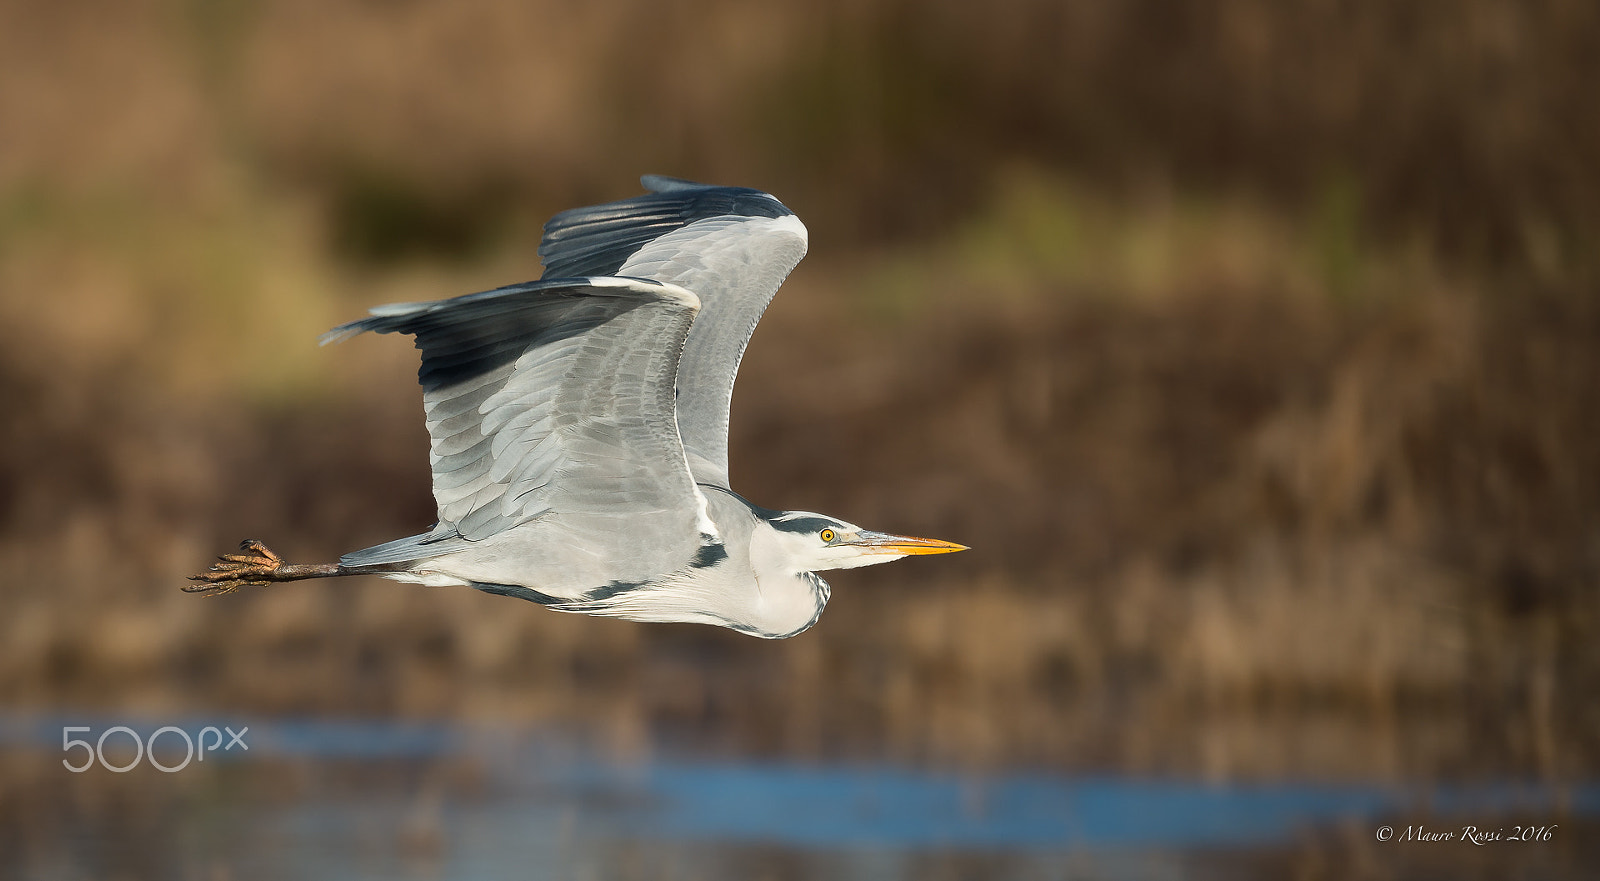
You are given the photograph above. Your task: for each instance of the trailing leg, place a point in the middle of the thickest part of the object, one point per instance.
(258, 566)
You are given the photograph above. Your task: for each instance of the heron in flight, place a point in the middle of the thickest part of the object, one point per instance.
(578, 427)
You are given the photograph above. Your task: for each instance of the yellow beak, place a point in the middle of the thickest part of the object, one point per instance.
(886, 543)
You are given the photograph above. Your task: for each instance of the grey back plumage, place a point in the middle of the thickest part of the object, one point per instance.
(731, 246)
(552, 399)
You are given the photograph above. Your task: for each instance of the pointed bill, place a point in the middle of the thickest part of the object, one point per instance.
(888, 543)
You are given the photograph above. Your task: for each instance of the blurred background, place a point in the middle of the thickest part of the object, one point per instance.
(1254, 347)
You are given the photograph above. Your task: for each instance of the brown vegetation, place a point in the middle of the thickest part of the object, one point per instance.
(1251, 346)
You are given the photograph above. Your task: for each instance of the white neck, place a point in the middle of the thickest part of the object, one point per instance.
(786, 600)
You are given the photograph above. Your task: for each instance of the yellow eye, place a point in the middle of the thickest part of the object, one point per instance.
(826, 535)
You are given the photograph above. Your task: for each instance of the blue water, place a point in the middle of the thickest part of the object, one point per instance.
(548, 805)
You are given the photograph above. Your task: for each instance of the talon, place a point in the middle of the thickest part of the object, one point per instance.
(213, 589)
(258, 549)
(254, 566)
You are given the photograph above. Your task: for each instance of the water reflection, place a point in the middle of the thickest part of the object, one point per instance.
(360, 800)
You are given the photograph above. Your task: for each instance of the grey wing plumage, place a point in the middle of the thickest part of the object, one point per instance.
(731, 246)
(551, 399)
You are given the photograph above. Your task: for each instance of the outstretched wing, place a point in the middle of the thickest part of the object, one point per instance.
(731, 246)
(552, 399)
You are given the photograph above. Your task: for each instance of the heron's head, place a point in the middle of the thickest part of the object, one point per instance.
(806, 542)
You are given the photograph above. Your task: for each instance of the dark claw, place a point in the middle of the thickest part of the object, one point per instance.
(255, 565)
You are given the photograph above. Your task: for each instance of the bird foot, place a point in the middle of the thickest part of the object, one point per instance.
(255, 565)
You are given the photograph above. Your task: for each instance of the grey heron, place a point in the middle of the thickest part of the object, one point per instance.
(578, 428)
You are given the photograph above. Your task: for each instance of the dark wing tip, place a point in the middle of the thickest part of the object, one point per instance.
(598, 239)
